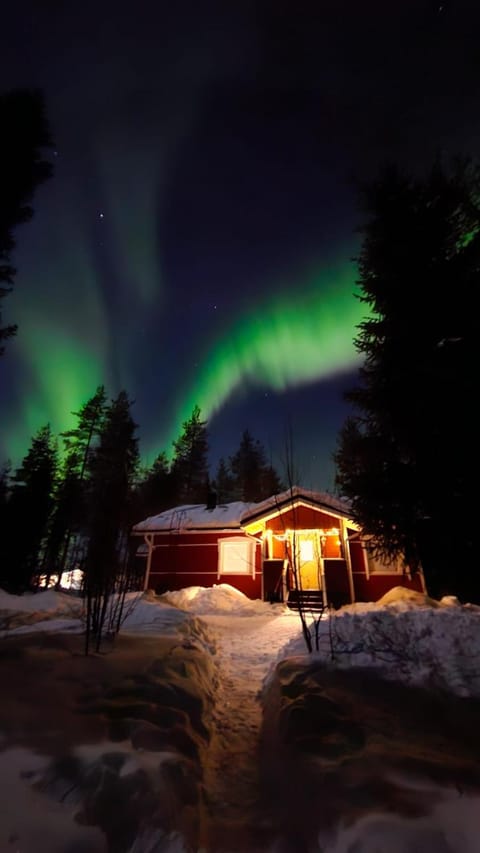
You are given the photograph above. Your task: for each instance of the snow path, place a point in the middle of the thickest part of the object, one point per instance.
(247, 648)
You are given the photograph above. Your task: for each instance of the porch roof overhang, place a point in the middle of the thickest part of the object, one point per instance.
(292, 498)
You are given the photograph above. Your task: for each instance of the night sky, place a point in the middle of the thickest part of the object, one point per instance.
(195, 244)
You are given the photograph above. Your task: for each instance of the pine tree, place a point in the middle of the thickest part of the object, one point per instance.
(155, 489)
(4, 486)
(80, 441)
(67, 528)
(246, 466)
(24, 133)
(27, 513)
(271, 482)
(112, 469)
(224, 483)
(65, 523)
(254, 479)
(405, 458)
(190, 461)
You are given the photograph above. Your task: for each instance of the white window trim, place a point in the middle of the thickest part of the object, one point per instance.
(375, 567)
(249, 546)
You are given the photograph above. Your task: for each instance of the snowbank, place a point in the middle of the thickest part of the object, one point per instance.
(437, 646)
(59, 612)
(219, 599)
(44, 601)
(400, 598)
(406, 635)
(97, 748)
(354, 762)
(451, 827)
(44, 610)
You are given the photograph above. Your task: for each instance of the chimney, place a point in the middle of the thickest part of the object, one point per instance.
(211, 498)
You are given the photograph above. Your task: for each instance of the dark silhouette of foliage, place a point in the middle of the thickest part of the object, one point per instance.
(155, 489)
(4, 488)
(26, 514)
(224, 482)
(252, 476)
(405, 458)
(24, 134)
(271, 482)
(67, 499)
(112, 469)
(190, 461)
(67, 533)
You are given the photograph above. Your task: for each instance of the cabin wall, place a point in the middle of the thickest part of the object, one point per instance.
(181, 560)
(371, 586)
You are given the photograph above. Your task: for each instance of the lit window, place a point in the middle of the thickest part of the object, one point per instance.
(331, 547)
(236, 556)
(306, 550)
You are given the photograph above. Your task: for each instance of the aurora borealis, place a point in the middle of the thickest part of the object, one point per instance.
(283, 344)
(195, 243)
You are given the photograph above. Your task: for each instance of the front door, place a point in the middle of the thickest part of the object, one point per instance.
(304, 549)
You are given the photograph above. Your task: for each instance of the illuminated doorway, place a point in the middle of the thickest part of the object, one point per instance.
(304, 553)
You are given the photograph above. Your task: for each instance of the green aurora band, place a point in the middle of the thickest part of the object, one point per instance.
(63, 349)
(59, 382)
(289, 341)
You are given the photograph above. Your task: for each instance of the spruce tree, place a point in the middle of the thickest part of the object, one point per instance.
(155, 489)
(67, 536)
(65, 524)
(271, 483)
(254, 479)
(190, 461)
(4, 487)
(112, 469)
(224, 483)
(24, 134)
(27, 513)
(404, 459)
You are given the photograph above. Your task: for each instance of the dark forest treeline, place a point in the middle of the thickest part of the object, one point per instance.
(72, 501)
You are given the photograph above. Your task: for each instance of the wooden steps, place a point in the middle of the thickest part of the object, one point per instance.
(310, 600)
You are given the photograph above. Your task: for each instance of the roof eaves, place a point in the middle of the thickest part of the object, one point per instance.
(271, 506)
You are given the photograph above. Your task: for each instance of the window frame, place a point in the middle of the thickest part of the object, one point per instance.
(250, 546)
(374, 565)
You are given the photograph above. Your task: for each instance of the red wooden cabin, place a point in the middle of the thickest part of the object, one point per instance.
(297, 539)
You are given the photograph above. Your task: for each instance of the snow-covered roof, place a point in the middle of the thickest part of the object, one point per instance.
(232, 516)
(196, 517)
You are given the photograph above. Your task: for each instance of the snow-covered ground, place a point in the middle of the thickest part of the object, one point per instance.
(367, 745)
